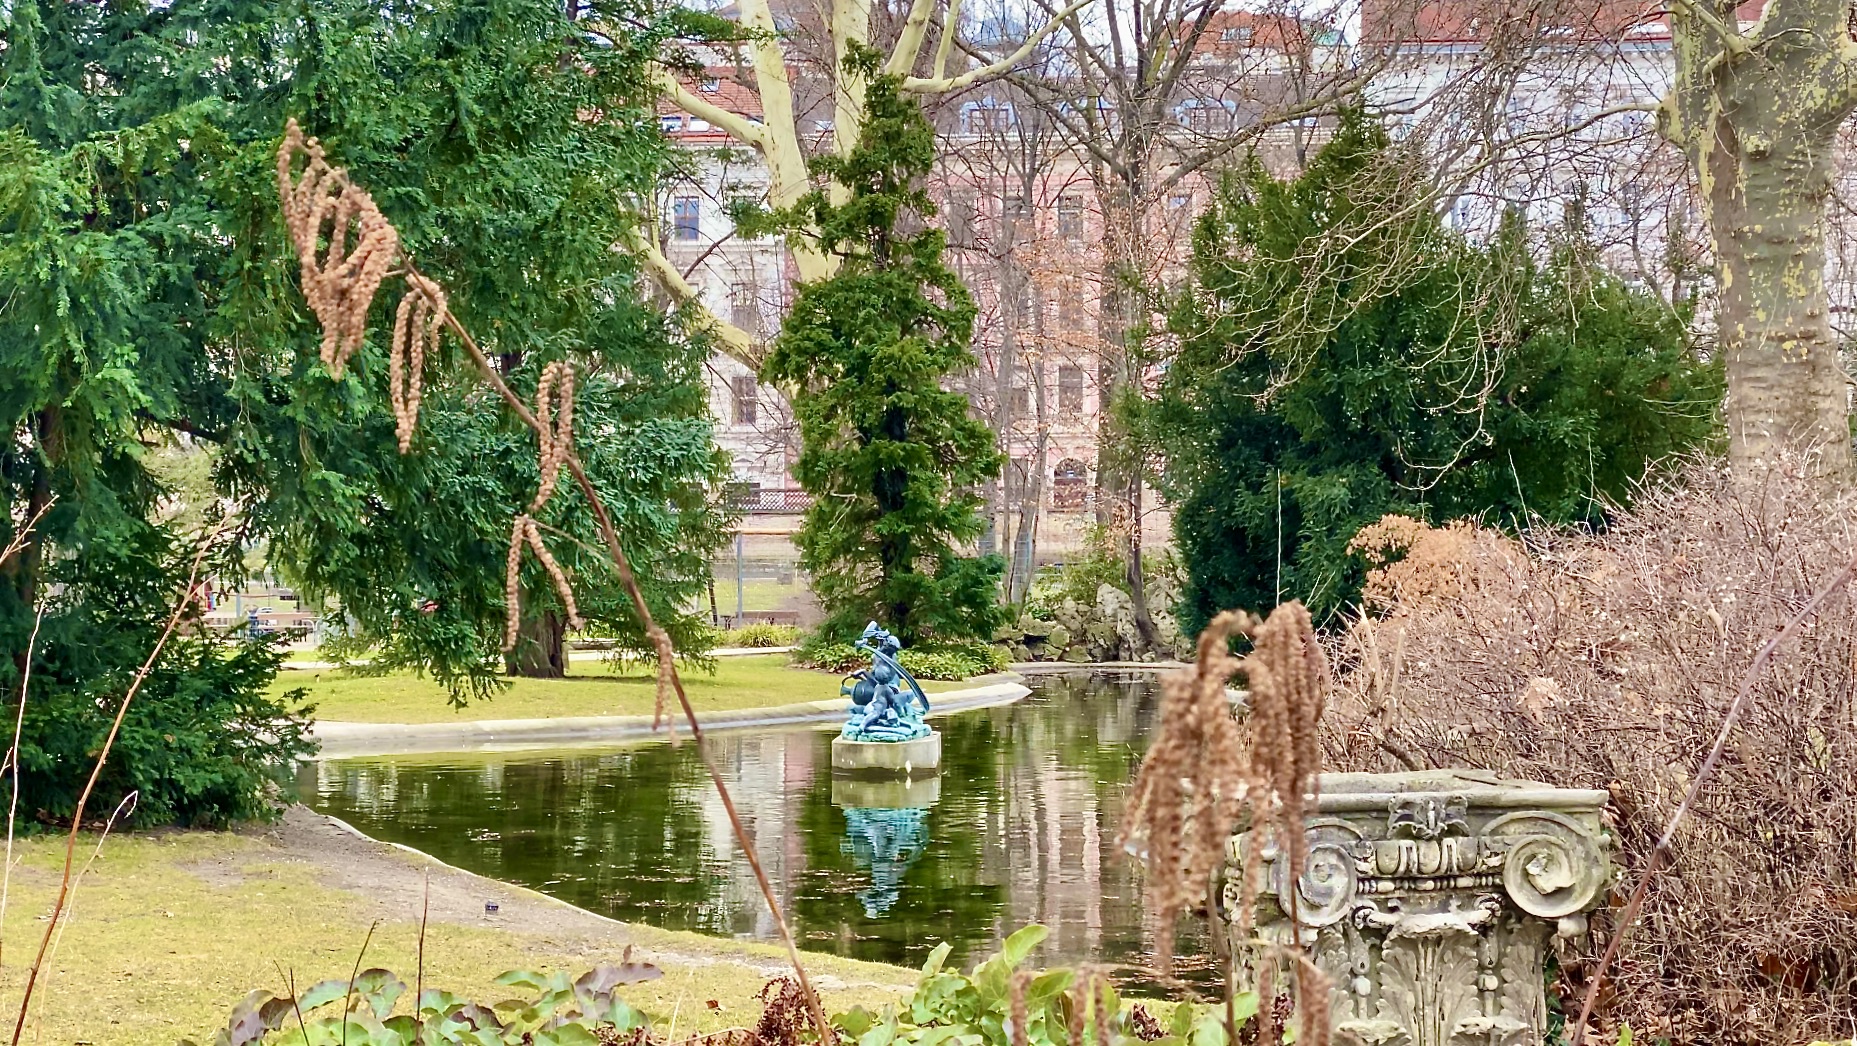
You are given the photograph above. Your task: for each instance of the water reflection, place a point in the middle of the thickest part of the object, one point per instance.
(1019, 828)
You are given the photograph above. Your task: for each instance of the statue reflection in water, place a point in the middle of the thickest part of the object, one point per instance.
(886, 831)
(886, 840)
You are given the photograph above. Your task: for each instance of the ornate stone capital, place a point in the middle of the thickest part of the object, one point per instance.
(1431, 898)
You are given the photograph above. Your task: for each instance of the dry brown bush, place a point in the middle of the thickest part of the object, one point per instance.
(1609, 661)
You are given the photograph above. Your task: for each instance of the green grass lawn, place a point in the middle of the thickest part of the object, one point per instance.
(592, 688)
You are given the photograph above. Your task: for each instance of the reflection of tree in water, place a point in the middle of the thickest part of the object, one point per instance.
(886, 841)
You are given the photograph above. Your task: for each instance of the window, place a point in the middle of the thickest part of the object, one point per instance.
(745, 308)
(1021, 401)
(1070, 389)
(1205, 117)
(747, 398)
(1237, 34)
(1070, 482)
(1070, 217)
(685, 216)
(985, 117)
(671, 123)
(711, 85)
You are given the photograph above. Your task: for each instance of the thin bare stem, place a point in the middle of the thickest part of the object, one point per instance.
(348, 997)
(667, 665)
(25, 532)
(190, 593)
(12, 763)
(1660, 853)
(419, 963)
(123, 809)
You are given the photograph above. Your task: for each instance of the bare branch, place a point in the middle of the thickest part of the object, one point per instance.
(735, 125)
(738, 343)
(940, 85)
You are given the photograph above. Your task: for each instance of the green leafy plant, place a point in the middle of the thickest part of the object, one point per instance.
(558, 1011)
(1409, 370)
(953, 661)
(977, 1008)
(942, 661)
(829, 657)
(761, 636)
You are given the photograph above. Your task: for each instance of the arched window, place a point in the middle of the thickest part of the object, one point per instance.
(1070, 483)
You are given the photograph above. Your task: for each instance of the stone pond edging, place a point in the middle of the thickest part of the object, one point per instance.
(342, 740)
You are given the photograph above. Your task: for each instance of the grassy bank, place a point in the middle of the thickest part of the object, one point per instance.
(170, 930)
(593, 688)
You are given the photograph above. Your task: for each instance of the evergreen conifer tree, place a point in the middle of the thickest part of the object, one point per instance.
(892, 458)
(1335, 366)
(149, 311)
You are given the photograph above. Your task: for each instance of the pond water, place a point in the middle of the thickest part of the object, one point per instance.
(1019, 828)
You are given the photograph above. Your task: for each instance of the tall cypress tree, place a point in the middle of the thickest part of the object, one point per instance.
(892, 457)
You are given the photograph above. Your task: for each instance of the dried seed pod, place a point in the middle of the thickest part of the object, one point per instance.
(554, 409)
(416, 328)
(339, 279)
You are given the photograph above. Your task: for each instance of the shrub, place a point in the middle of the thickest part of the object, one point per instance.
(761, 636)
(203, 744)
(940, 664)
(946, 1007)
(1609, 662)
(952, 1007)
(954, 661)
(814, 652)
(558, 1012)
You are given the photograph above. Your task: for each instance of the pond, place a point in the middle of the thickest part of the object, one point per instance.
(1019, 828)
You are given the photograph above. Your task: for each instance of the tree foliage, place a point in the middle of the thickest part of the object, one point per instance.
(892, 458)
(147, 307)
(470, 126)
(1336, 364)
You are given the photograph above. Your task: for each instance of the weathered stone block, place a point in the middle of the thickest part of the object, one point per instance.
(1431, 900)
(888, 758)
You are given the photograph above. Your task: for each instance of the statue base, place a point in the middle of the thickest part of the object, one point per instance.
(888, 758)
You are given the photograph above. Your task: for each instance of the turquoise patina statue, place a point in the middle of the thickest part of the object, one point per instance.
(886, 702)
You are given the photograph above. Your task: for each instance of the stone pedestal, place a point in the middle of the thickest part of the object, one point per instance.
(921, 756)
(1431, 901)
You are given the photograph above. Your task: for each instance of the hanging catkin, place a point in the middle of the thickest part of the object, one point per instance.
(554, 409)
(339, 278)
(415, 330)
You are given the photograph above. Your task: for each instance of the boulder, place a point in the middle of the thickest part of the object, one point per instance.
(1076, 655)
(1059, 636)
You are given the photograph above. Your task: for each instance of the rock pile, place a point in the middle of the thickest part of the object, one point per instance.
(1100, 631)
